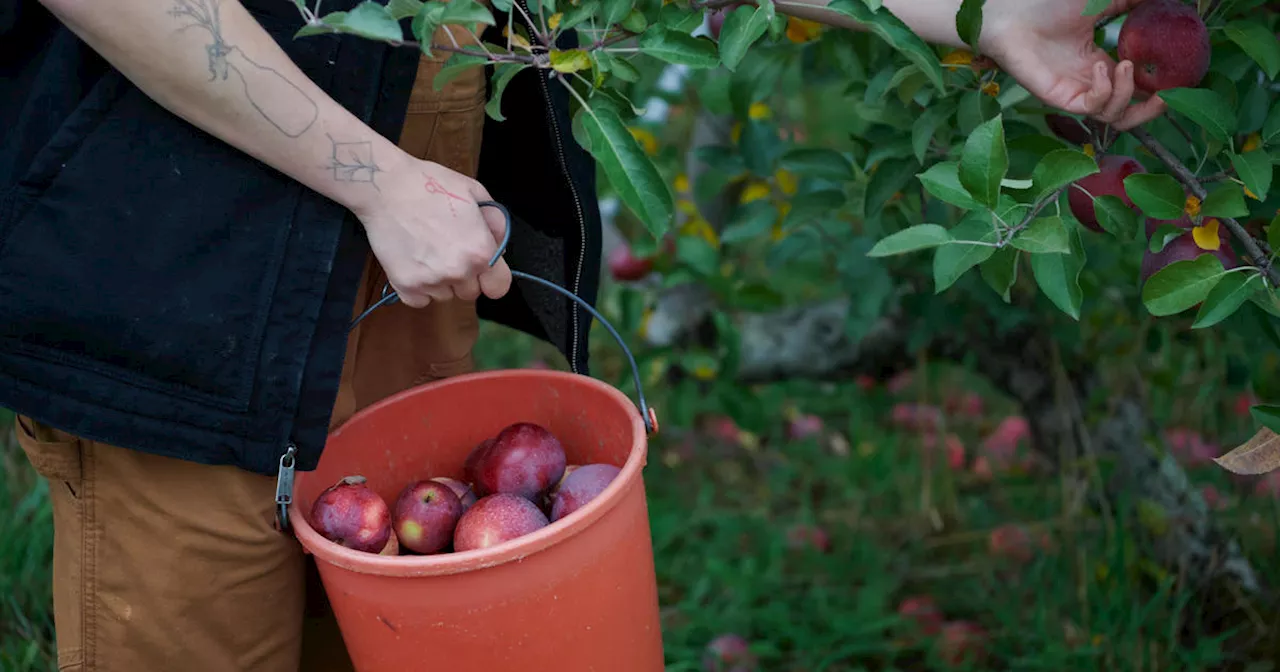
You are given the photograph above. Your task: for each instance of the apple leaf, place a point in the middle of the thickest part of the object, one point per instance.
(742, 27)
(1260, 455)
(969, 23)
(1207, 108)
(502, 75)
(1181, 285)
(891, 177)
(892, 30)
(1059, 168)
(678, 48)
(1271, 127)
(984, 161)
(911, 239)
(1267, 415)
(1095, 7)
(466, 12)
(1226, 298)
(1227, 200)
(927, 125)
(400, 9)
(456, 65)
(568, 61)
(1046, 235)
(942, 180)
(1159, 196)
(825, 163)
(1255, 169)
(631, 174)
(1001, 271)
(1258, 42)
(368, 19)
(1115, 217)
(1273, 234)
(750, 221)
(1059, 275)
(973, 242)
(1163, 235)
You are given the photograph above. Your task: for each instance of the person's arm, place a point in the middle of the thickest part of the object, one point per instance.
(211, 63)
(1047, 45)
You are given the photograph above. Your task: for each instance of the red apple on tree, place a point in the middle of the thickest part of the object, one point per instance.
(1168, 44)
(524, 459)
(625, 266)
(1077, 131)
(350, 514)
(424, 516)
(496, 519)
(583, 485)
(1108, 181)
(1183, 248)
(923, 612)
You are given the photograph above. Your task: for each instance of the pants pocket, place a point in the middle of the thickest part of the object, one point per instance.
(54, 454)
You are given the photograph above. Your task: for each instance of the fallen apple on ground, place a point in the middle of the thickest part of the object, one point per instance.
(524, 459)
(580, 487)
(496, 519)
(425, 515)
(350, 514)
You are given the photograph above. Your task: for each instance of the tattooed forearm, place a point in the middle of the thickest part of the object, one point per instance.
(278, 100)
(353, 162)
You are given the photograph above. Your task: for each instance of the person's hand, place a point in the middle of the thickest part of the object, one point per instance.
(431, 238)
(1048, 47)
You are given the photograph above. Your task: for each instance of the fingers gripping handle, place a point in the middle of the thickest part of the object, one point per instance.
(389, 296)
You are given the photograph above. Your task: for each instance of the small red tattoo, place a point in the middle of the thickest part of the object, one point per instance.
(434, 187)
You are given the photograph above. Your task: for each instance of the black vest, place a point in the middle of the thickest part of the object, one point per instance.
(163, 291)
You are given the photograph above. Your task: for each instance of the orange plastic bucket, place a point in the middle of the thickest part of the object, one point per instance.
(577, 595)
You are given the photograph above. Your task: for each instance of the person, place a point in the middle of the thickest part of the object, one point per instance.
(194, 206)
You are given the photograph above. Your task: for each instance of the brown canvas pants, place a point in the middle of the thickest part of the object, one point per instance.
(161, 564)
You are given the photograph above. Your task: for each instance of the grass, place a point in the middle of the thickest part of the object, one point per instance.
(900, 523)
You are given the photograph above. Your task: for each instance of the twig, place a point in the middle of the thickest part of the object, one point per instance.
(1030, 216)
(1188, 179)
(499, 58)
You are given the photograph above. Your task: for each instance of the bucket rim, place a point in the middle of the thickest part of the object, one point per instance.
(443, 564)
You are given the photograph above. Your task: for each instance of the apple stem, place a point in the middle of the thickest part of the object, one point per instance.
(1258, 255)
(355, 479)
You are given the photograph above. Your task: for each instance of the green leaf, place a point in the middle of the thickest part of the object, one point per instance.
(892, 30)
(1255, 169)
(373, 21)
(401, 9)
(824, 163)
(1226, 200)
(1226, 298)
(942, 180)
(1273, 235)
(327, 24)
(615, 11)
(1206, 108)
(1271, 128)
(1046, 235)
(631, 174)
(1267, 415)
(1115, 217)
(584, 10)
(1095, 7)
(1181, 285)
(1059, 168)
(501, 78)
(668, 45)
(466, 12)
(1259, 42)
(572, 60)
(750, 221)
(911, 239)
(927, 125)
(1163, 235)
(742, 27)
(814, 205)
(456, 65)
(425, 23)
(969, 23)
(1159, 196)
(972, 243)
(635, 22)
(1001, 271)
(699, 255)
(891, 177)
(619, 67)
(984, 162)
(1059, 275)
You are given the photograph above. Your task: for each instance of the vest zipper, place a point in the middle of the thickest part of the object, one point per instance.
(577, 203)
(284, 485)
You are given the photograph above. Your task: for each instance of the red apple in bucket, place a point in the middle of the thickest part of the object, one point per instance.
(583, 485)
(424, 516)
(497, 519)
(466, 494)
(525, 459)
(350, 514)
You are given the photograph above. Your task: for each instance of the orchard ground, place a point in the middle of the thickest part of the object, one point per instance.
(806, 525)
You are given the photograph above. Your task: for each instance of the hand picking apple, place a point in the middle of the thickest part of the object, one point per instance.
(520, 476)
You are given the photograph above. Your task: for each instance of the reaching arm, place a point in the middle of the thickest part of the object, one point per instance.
(211, 63)
(1047, 45)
